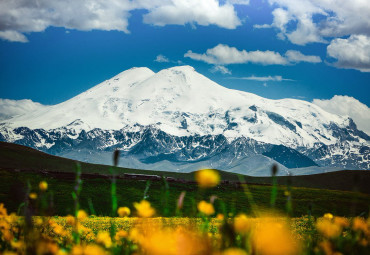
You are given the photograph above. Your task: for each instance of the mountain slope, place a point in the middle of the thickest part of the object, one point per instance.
(180, 116)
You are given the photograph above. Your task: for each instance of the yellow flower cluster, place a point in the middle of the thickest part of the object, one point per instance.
(207, 178)
(206, 208)
(144, 209)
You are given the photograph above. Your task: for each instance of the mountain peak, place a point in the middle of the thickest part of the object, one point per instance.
(134, 71)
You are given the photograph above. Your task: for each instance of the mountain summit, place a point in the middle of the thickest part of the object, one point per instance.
(139, 109)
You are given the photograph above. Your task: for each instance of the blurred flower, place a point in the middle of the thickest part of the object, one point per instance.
(43, 186)
(328, 228)
(207, 178)
(341, 221)
(90, 249)
(326, 247)
(173, 242)
(242, 224)
(144, 209)
(33, 196)
(359, 224)
(234, 251)
(70, 220)
(104, 239)
(328, 216)
(206, 208)
(120, 234)
(81, 215)
(123, 211)
(45, 247)
(3, 211)
(220, 216)
(273, 238)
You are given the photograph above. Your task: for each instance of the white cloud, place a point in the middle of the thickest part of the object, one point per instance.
(308, 21)
(348, 106)
(205, 12)
(22, 16)
(240, 2)
(13, 36)
(161, 58)
(223, 55)
(264, 78)
(221, 69)
(258, 26)
(10, 108)
(353, 52)
(296, 57)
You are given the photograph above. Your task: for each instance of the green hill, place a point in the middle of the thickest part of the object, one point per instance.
(20, 165)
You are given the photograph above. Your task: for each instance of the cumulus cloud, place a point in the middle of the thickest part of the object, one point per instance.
(348, 106)
(296, 57)
(308, 21)
(224, 55)
(264, 78)
(23, 16)
(11, 108)
(353, 52)
(161, 58)
(205, 12)
(220, 69)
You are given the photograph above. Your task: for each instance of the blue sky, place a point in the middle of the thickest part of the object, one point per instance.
(61, 55)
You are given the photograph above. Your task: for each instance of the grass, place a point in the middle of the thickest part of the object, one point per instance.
(97, 190)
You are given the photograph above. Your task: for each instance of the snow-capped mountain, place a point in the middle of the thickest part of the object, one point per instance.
(178, 119)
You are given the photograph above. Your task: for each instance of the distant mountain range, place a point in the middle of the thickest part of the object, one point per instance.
(179, 120)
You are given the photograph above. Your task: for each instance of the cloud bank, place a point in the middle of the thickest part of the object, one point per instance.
(224, 55)
(264, 78)
(10, 108)
(348, 106)
(18, 17)
(309, 21)
(353, 52)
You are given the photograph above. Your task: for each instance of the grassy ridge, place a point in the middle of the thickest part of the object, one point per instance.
(23, 158)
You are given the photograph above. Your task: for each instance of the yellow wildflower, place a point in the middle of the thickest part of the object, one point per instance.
(273, 238)
(206, 208)
(326, 247)
(328, 228)
(242, 224)
(120, 235)
(341, 221)
(234, 251)
(144, 209)
(45, 247)
(104, 239)
(220, 216)
(43, 186)
(33, 196)
(90, 249)
(173, 242)
(207, 178)
(3, 211)
(328, 216)
(359, 224)
(123, 211)
(81, 215)
(70, 220)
